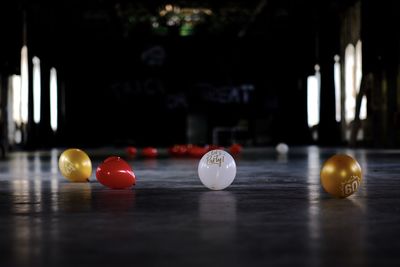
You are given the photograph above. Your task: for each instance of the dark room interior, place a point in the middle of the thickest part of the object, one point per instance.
(111, 111)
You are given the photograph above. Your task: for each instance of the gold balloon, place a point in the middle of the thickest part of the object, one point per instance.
(341, 176)
(75, 165)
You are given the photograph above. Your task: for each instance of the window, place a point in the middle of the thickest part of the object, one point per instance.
(336, 70)
(349, 81)
(16, 98)
(353, 76)
(53, 100)
(36, 89)
(313, 99)
(363, 110)
(24, 85)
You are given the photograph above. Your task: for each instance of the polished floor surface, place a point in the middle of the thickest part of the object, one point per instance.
(274, 214)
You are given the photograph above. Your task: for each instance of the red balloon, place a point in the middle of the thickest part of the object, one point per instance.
(131, 151)
(235, 149)
(214, 147)
(149, 152)
(115, 173)
(178, 150)
(197, 152)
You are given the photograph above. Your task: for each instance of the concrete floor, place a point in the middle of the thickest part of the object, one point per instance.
(274, 214)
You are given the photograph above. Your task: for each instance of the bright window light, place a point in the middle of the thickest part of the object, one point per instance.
(363, 110)
(353, 77)
(336, 70)
(313, 99)
(358, 64)
(53, 99)
(16, 100)
(24, 84)
(350, 92)
(36, 89)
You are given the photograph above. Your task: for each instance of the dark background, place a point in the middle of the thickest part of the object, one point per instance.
(124, 82)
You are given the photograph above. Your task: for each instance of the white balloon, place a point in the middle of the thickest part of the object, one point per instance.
(282, 148)
(217, 169)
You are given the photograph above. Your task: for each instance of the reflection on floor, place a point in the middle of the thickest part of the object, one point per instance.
(275, 213)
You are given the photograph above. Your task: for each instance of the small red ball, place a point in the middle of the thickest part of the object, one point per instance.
(115, 173)
(178, 150)
(214, 147)
(150, 152)
(131, 151)
(197, 152)
(235, 149)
